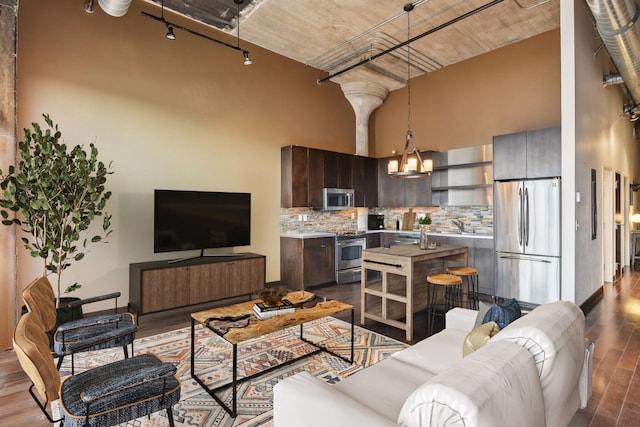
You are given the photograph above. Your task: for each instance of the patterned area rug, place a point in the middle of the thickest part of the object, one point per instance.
(255, 397)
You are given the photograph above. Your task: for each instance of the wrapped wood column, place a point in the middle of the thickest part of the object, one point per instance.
(8, 286)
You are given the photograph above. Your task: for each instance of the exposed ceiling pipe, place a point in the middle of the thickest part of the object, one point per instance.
(616, 21)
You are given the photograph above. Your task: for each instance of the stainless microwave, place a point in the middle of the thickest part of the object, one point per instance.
(338, 198)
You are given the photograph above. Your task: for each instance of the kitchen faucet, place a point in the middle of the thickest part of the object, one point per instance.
(458, 224)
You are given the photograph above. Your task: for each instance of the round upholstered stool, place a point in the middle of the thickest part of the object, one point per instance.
(439, 303)
(470, 297)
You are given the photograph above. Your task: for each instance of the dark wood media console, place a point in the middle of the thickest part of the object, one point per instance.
(161, 285)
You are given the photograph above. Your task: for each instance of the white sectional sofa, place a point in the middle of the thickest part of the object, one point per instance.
(529, 374)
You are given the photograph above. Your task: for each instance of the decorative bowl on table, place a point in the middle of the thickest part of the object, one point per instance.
(271, 296)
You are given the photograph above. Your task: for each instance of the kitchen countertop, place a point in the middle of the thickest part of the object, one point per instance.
(437, 233)
(413, 251)
(416, 233)
(307, 234)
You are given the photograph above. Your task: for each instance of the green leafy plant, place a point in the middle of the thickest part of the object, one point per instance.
(424, 220)
(53, 195)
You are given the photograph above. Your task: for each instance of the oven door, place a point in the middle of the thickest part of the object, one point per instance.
(349, 253)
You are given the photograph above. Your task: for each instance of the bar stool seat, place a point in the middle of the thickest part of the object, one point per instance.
(452, 287)
(471, 275)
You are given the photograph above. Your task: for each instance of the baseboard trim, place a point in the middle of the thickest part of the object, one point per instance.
(592, 301)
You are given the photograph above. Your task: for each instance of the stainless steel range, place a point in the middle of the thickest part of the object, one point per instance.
(349, 247)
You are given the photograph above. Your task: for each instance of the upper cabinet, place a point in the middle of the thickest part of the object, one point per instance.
(294, 177)
(337, 170)
(525, 155)
(365, 180)
(306, 171)
(402, 192)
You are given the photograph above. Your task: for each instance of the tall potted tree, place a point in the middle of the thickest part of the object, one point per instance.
(53, 195)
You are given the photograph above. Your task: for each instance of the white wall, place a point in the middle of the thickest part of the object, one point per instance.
(603, 139)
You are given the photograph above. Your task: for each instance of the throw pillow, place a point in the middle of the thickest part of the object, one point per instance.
(483, 307)
(479, 337)
(503, 313)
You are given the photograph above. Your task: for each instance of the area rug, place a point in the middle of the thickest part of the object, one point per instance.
(255, 397)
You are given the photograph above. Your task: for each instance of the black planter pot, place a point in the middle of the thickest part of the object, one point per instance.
(64, 314)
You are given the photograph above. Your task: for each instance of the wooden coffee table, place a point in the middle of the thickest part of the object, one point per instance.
(237, 323)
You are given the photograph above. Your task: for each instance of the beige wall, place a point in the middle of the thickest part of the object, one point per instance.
(176, 115)
(511, 89)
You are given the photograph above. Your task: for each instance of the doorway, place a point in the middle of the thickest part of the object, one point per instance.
(618, 224)
(608, 252)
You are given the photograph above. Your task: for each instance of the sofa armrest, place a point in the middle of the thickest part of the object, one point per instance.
(461, 318)
(302, 399)
(497, 385)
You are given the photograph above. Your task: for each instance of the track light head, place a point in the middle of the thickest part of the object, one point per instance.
(88, 6)
(170, 34)
(247, 60)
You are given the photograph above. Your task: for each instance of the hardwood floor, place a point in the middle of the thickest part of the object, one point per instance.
(613, 324)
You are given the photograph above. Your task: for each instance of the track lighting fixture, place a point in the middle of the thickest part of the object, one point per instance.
(88, 6)
(171, 35)
(247, 60)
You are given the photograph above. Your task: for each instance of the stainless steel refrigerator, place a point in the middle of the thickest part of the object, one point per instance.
(527, 239)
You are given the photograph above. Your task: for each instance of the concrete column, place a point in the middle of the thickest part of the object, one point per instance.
(8, 114)
(364, 98)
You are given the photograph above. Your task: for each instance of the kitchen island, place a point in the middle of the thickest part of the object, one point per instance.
(394, 285)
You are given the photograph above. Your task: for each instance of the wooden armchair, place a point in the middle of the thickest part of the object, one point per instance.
(91, 333)
(104, 396)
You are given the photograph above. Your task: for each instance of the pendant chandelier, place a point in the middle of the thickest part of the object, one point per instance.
(411, 165)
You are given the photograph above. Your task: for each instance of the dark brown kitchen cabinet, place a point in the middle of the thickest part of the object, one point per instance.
(337, 170)
(390, 190)
(373, 240)
(365, 181)
(402, 192)
(316, 177)
(306, 262)
(294, 180)
(306, 171)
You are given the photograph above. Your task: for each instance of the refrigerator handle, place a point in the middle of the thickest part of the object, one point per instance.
(520, 258)
(526, 216)
(520, 216)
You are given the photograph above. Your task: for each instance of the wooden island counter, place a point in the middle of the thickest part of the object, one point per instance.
(394, 281)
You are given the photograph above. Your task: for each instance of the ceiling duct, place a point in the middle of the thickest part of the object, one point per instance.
(616, 21)
(115, 8)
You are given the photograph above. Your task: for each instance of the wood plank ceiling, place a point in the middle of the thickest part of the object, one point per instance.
(331, 35)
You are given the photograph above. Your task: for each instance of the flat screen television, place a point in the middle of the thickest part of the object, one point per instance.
(188, 220)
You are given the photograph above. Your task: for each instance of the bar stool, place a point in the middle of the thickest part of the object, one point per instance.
(452, 287)
(471, 276)
(635, 235)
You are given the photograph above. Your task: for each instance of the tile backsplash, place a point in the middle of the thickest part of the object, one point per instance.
(478, 219)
